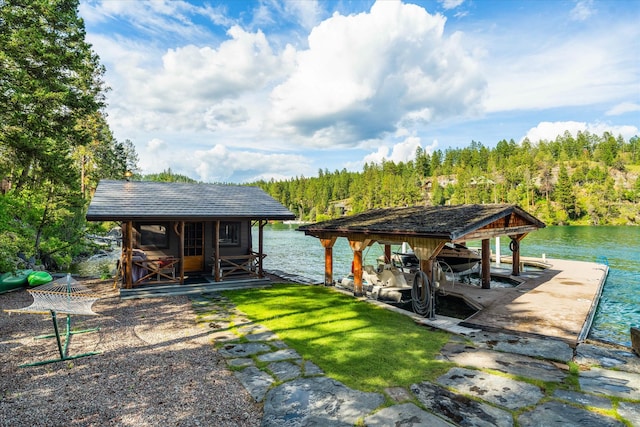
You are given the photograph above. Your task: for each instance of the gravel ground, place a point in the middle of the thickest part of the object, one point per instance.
(157, 367)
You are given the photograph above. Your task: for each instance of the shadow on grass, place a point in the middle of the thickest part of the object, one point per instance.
(364, 346)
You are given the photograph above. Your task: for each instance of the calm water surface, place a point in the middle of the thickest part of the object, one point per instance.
(291, 251)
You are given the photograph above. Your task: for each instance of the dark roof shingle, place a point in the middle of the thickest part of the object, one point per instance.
(148, 200)
(449, 222)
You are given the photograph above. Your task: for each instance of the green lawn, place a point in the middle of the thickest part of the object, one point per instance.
(363, 346)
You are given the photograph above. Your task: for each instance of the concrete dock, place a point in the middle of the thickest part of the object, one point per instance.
(557, 302)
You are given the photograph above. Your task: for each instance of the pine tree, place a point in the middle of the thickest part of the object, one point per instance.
(50, 90)
(563, 193)
(50, 81)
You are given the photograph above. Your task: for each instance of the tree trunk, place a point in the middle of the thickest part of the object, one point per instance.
(43, 220)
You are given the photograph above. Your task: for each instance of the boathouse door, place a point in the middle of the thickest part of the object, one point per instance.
(193, 246)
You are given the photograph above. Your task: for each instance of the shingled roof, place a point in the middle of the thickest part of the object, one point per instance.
(147, 200)
(439, 222)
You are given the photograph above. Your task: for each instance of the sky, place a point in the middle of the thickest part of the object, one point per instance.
(239, 91)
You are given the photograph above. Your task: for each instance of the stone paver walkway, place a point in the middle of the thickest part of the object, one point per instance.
(498, 380)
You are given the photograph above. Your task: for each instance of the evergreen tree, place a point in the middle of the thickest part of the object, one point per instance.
(563, 193)
(51, 95)
(423, 162)
(50, 81)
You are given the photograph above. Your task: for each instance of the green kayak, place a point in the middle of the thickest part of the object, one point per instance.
(10, 281)
(38, 278)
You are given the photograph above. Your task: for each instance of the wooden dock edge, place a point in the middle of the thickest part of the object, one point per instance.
(586, 327)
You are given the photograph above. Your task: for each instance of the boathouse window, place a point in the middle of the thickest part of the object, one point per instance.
(229, 234)
(154, 235)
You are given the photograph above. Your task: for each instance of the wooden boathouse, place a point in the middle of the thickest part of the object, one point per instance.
(426, 229)
(171, 230)
(557, 301)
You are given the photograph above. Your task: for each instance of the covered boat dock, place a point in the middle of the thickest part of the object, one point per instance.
(558, 301)
(426, 229)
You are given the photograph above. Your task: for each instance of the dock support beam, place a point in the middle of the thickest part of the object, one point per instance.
(486, 264)
(514, 246)
(357, 247)
(327, 244)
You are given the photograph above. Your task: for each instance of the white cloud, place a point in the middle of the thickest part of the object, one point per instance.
(192, 87)
(245, 62)
(451, 4)
(307, 13)
(582, 11)
(363, 74)
(226, 114)
(269, 13)
(623, 108)
(590, 65)
(378, 156)
(201, 89)
(405, 150)
(159, 19)
(221, 163)
(156, 144)
(549, 131)
(402, 151)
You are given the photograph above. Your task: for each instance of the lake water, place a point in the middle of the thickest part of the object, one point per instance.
(291, 251)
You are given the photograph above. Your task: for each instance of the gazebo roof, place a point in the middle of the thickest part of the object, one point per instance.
(149, 200)
(453, 223)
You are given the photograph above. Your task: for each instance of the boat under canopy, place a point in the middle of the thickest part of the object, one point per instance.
(453, 257)
(427, 229)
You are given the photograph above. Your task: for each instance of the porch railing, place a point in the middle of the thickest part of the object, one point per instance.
(233, 265)
(158, 270)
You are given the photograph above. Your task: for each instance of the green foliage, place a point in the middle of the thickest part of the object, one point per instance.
(168, 176)
(565, 181)
(50, 81)
(16, 235)
(364, 346)
(564, 194)
(55, 144)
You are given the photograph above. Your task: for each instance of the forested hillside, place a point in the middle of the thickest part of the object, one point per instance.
(588, 179)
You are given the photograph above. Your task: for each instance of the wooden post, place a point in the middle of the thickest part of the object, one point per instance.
(128, 276)
(357, 247)
(357, 273)
(514, 246)
(181, 252)
(327, 244)
(486, 264)
(216, 254)
(261, 225)
(426, 266)
(387, 254)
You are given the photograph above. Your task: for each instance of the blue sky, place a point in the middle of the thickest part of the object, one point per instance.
(243, 90)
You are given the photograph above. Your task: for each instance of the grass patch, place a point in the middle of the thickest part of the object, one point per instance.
(363, 346)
